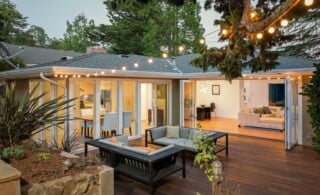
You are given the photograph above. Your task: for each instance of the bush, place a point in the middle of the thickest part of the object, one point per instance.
(22, 117)
(15, 153)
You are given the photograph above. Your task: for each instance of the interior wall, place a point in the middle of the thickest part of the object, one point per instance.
(227, 102)
(256, 92)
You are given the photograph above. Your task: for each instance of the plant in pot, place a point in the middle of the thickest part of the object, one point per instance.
(23, 116)
(312, 91)
(208, 161)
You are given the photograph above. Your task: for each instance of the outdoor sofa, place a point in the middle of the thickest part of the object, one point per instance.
(167, 135)
(139, 164)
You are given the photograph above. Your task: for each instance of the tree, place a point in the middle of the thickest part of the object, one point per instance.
(240, 24)
(77, 36)
(146, 27)
(312, 91)
(12, 23)
(39, 36)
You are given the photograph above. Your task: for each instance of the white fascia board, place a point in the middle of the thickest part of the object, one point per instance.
(24, 73)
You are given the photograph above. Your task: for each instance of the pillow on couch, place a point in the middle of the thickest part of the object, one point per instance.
(194, 134)
(172, 132)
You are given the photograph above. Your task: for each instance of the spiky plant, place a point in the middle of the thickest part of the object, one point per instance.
(22, 117)
(312, 91)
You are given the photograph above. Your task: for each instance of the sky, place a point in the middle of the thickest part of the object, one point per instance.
(52, 15)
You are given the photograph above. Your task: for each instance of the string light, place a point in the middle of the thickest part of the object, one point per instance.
(224, 32)
(181, 48)
(74, 76)
(271, 30)
(165, 55)
(284, 22)
(136, 64)
(150, 60)
(55, 75)
(102, 72)
(87, 75)
(79, 76)
(95, 74)
(124, 68)
(202, 41)
(308, 2)
(113, 70)
(259, 35)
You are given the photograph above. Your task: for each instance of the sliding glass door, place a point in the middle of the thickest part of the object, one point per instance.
(154, 105)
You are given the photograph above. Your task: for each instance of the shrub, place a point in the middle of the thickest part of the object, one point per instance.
(22, 117)
(8, 154)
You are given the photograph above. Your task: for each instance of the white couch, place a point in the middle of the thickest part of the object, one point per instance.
(269, 117)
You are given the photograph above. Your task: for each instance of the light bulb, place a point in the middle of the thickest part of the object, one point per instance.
(136, 64)
(308, 2)
(284, 22)
(181, 48)
(202, 41)
(124, 68)
(271, 30)
(113, 70)
(165, 55)
(224, 32)
(150, 60)
(259, 36)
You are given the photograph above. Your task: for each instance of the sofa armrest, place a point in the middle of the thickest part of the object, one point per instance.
(158, 132)
(248, 119)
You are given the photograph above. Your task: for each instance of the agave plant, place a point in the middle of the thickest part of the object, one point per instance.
(22, 117)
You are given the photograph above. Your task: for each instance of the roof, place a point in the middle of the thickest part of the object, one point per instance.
(178, 67)
(37, 55)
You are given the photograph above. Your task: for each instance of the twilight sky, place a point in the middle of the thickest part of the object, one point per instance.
(52, 15)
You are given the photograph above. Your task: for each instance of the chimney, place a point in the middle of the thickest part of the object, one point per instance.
(96, 49)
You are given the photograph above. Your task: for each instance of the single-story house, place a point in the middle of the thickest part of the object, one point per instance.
(158, 91)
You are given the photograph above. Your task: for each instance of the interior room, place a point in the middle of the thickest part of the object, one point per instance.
(220, 102)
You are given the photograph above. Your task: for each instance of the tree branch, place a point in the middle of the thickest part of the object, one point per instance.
(279, 12)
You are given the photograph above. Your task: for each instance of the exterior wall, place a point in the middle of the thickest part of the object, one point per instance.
(306, 119)
(175, 102)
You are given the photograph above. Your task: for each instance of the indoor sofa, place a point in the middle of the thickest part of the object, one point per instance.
(268, 117)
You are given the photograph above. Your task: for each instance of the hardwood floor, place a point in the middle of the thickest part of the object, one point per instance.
(230, 126)
(254, 166)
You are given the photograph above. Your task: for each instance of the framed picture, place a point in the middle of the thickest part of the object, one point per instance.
(215, 89)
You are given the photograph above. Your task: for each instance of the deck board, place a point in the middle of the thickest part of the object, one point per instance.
(254, 166)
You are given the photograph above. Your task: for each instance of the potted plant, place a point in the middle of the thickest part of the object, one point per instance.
(208, 161)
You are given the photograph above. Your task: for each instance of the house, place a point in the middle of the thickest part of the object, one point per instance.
(158, 91)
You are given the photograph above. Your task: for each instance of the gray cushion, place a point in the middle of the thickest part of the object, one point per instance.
(184, 132)
(188, 144)
(172, 132)
(167, 141)
(194, 133)
(158, 132)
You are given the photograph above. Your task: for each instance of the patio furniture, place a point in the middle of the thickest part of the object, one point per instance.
(143, 166)
(183, 138)
(109, 124)
(126, 121)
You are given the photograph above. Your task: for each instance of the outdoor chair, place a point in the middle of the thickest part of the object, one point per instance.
(87, 129)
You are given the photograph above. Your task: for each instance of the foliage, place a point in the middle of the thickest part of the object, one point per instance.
(23, 116)
(15, 60)
(15, 153)
(44, 155)
(205, 156)
(77, 36)
(12, 23)
(312, 91)
(68, 142)
(147, 27)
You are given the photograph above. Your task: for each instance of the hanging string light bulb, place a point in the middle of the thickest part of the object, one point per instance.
(271, 30)
(284, 22)
(308, 2)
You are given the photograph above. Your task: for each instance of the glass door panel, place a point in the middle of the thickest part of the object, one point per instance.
(189, 103)
(129, 107)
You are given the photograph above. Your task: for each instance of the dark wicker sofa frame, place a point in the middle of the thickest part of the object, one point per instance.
(148, 169)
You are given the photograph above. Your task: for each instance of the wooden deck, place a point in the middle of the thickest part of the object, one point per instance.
(254, 166)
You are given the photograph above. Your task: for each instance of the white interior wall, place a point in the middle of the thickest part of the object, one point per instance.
(227, 103)
(256, 92)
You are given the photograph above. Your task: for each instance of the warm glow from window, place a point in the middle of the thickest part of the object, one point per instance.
(308, 2)
(284, 22)
(271, 30)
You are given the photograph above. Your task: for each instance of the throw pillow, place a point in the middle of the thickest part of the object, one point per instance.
(194, 134)
(266, 110)
(172, 132)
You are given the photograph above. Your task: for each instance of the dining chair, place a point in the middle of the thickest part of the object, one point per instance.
(86, 128)
(126, 121)
(110, 120)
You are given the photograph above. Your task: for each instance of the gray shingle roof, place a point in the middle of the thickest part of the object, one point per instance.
(37, 55)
